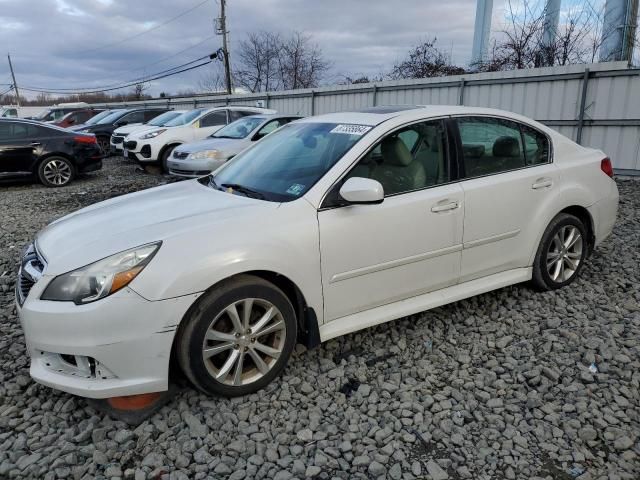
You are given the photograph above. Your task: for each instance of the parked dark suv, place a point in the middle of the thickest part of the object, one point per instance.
(78, 117)
(49, 153)
(118, 118)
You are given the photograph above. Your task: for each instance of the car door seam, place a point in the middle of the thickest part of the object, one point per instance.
(493, 238)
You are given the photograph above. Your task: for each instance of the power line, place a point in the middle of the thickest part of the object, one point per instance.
(80, 92)
(119, 42)
(134, 81)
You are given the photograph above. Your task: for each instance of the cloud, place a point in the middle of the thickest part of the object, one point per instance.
(58, 44)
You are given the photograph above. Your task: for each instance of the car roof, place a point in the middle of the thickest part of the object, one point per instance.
(377, 115)
(272, 116)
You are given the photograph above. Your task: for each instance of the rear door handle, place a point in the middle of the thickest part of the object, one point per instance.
(444, 207)
(35, 144)
(542, 183)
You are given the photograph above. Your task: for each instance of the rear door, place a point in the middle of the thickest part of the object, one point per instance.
(507, 177)
(20, 147)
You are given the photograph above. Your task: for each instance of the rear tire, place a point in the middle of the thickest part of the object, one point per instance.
(55, 172)
(237, 338)
(561, 254)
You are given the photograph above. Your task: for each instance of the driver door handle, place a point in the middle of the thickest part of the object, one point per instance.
(542, 183)
(444, 207)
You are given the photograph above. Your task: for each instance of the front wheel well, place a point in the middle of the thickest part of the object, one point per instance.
(166, 147)
(308, 333)
(585, 217)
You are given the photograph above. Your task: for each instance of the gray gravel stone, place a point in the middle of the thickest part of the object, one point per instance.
(496, 386)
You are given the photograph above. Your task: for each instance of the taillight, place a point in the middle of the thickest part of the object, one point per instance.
(85, 139)
(606, 167)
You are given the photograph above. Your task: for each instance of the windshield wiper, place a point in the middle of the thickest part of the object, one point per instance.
(223, 136)
(242, 189)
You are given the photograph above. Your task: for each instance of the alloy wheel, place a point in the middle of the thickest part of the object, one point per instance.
(244, 341)
(565, 253)
(57, 172)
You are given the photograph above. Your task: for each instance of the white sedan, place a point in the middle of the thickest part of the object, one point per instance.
(331, 224)
(196, 159)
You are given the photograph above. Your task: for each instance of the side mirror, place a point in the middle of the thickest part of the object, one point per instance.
(362, 191)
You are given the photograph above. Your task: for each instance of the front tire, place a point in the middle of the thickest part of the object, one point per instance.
(104, 143)
(561, 254)
(55, 172)
(237, 338)
(164, 159)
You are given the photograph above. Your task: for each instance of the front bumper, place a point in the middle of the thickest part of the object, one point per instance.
(117, 346)
(192, 168)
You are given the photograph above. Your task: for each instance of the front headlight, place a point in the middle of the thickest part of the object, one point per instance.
(213, 154)
(102, 278)
(153, 134)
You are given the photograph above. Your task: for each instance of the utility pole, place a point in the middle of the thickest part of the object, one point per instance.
(15, 85)
(222, 30)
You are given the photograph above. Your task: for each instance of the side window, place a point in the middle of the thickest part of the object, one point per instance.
(133, 117)
(536, 146)
(236, 114)
(18, 131)
(409, 159)
(213, 119)
(490, 146)
(268, 128)
(151, 114)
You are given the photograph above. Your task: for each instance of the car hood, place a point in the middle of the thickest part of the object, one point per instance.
(227, 145)
(134, 127)
(128, 221)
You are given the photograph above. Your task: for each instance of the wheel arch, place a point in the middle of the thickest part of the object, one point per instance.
(49, 155)
(578, 211)
(307, 321)
(168, 145)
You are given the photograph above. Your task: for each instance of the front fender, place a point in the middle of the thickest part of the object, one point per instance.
(285, 243)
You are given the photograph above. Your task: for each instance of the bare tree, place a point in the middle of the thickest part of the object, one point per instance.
(139, 89)
(521, 45)
(301, 62)
(266, 61)
(212, 81)
(423, 61)
(257, 65)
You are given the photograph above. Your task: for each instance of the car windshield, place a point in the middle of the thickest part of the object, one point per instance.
(115, 114)
(185, 118)
(287, 163)
(162, 120)
(239, 129)
(51, 114)
(96, 118)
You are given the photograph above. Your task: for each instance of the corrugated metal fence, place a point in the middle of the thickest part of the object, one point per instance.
(597, 105)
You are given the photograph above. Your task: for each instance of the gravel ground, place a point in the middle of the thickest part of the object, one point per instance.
(497, 386)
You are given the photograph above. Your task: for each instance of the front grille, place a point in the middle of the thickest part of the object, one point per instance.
(130, 145)
(180, 155)
(190, 173)
(117, 140)
(31, 268)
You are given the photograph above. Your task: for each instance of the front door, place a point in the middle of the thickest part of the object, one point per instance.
(406, 246)
(508, 178)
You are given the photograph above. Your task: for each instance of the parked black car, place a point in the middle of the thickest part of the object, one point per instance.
(118, 118)
(51, 154)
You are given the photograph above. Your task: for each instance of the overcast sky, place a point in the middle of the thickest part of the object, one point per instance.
(79, 43)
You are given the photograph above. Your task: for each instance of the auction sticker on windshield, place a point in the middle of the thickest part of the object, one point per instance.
(351, 129)
(295, 189)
